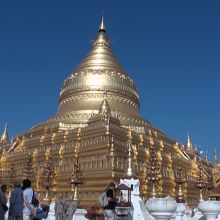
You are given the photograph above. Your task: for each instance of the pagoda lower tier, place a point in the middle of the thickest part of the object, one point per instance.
(101, 148)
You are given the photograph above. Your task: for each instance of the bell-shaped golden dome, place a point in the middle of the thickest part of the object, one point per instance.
(98, 73)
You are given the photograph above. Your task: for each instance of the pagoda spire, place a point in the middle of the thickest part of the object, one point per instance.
(102, 25)
(4, 138)
(188, 142)
(101, 40)
(215, 157)
(101, 56)
(129, 172)
(206, 156)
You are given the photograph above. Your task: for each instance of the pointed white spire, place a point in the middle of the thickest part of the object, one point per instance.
(102, 25)
(4, 138)
(188, 142)
(129, 172)
(206, 156)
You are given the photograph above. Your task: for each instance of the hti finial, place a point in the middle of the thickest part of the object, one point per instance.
(188, 136)
(206, 156)
(5, 138)
(188, 142)
(102, 25)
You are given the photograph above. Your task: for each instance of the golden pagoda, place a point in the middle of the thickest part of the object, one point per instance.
(214, 191)
(98, 107)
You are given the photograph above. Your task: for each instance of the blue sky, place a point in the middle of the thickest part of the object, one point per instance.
(170, 48)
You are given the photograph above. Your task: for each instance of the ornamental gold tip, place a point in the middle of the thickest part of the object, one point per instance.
(102, 25)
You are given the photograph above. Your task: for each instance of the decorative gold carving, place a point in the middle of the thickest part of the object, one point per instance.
(200, 182)
(180, 177)
(48, 154)
(67, 135)
(48, 175)
(154, 170)
(4, 155)
(77, 177)
(135, 152)
(61, 153)
(161, 144)
(11, 173)
(53, 138)
(35, 154)
(42, 139)
(28, 169)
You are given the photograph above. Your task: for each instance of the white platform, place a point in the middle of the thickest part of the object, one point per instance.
(140, 211)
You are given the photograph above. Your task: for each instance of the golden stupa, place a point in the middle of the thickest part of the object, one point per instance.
(99, 135)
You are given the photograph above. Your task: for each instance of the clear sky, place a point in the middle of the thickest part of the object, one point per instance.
(170, 48)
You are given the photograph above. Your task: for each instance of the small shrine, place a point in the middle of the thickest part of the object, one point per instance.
(124, 207)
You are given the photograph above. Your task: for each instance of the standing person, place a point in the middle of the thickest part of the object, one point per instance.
(16, 203)
(109, 210)
(28, 193)
(70, 209)
(3, 202)
(60, 208)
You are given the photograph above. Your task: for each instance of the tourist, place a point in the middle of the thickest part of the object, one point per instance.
(29, 211)
(109, 210)
(60, 208)
(16, 203)
(70, 209)
(3, 200)
(41, 212)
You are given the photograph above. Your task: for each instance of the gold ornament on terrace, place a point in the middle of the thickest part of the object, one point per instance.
(11, 174)
(111, 155)
(200, 182)
(154, 170)
(76, 178)
(48, 175)
(180, 178)
(28, 172)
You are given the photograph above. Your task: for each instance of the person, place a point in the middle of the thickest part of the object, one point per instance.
(3, 202)
(60, 208)
(70, 209)
(16, 203)
(109, 210)
(193, 213)
(29, 210)
(41, 212)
